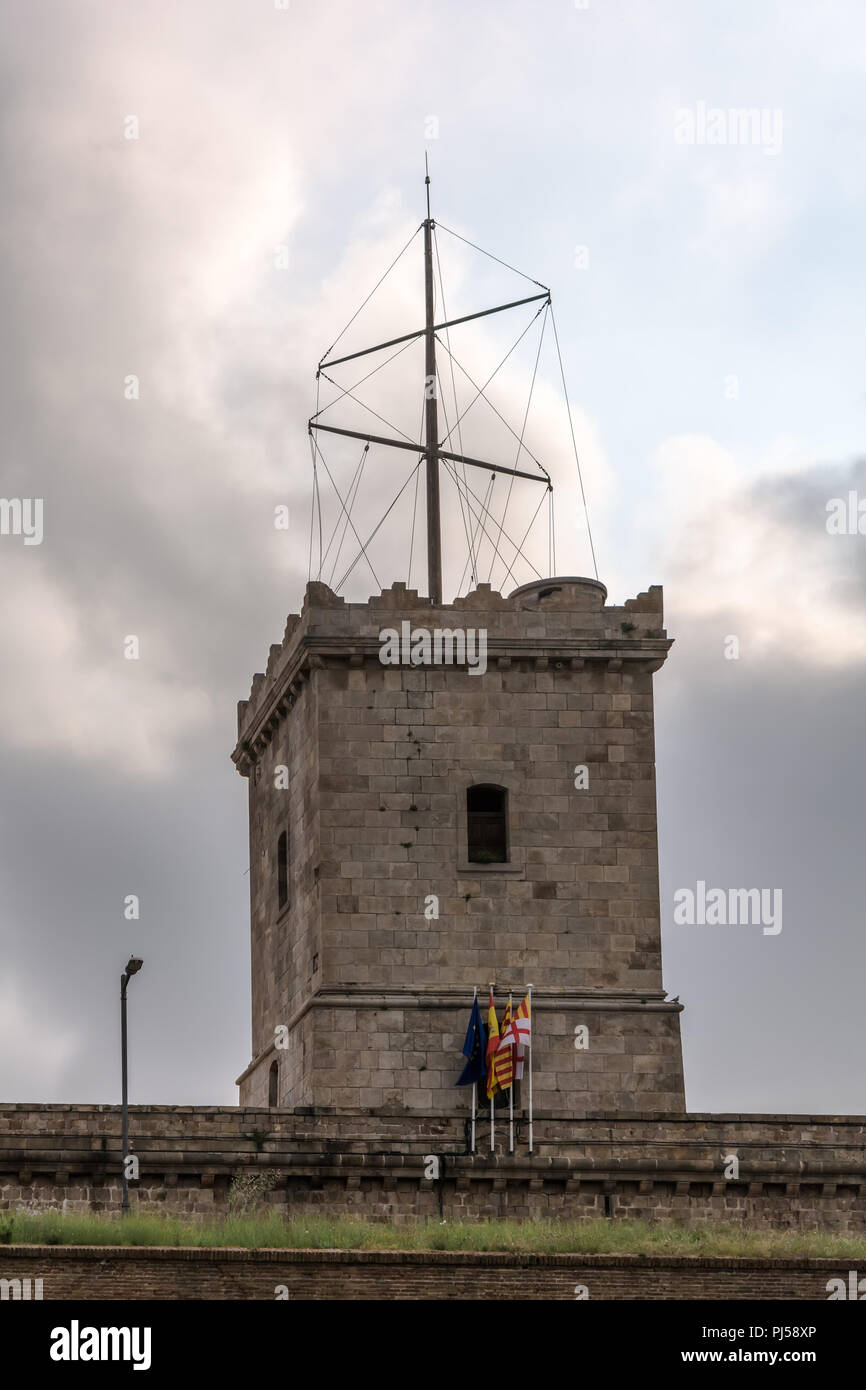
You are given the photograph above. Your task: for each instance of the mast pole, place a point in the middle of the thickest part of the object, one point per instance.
(431, 417)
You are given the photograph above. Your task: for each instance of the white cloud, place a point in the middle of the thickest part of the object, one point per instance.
(731, 550)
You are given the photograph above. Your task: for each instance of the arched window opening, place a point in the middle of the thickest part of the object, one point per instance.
(487, 825)
(274, 1084)
(283, 869)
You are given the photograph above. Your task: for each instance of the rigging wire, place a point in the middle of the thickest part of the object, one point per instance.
(550, 533)
(573, 441)
(315, 503)
(415, 502)
(466, 528)
(482, 504)
(476, 522)
(516, 547)
(364, 406)
(510, 569)
(372, 292)
(449, 466)
(474, 569)
(344, 391)
(490, 256)
(486, 507)
(481, 389)
(377, 526)
(523, 426)
(412, 537)
(312, 515)
(343, 505)
(355, 484)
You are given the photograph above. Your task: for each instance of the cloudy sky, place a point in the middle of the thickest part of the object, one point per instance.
(199, 196)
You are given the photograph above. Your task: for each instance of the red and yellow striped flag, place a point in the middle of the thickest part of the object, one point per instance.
(503, 1061)
(492, 1045)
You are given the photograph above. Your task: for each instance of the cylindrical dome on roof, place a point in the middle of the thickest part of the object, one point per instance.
(568, 591)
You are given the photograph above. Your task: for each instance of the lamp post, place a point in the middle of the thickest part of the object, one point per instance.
(133, 966)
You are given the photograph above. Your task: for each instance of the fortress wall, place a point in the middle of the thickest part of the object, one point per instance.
(793, 1171)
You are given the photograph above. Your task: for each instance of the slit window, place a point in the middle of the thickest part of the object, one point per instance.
(273, 1084)
(487, 825)
(283, 869)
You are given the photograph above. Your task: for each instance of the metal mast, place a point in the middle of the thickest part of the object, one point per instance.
(430, 450)
(431, 416)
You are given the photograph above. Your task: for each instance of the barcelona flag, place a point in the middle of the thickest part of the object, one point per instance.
(474, 1049)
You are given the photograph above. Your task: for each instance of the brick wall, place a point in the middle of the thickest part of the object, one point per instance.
(117, 1272)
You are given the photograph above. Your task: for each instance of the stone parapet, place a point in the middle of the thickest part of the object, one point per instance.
(799, 1171)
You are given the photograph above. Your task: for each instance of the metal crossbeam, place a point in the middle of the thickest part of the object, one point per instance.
(542, 477)
(420, 332)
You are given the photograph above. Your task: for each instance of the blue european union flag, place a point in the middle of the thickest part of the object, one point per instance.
(475, 1049)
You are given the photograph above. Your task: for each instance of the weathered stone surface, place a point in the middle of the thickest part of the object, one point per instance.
(803, 1172)
(128, 1273)
(374, 994)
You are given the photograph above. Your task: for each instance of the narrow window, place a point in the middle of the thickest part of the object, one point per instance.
(273, 1084)
(283, 869)
(486, 822)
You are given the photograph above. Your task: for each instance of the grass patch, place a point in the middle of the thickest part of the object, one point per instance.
(273, 1231)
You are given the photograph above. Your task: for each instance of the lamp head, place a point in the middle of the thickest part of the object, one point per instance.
(133, 965)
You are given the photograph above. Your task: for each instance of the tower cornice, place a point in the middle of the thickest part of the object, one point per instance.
(522, 633)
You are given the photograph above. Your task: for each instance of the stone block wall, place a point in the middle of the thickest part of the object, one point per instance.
(391, 917)
(793, 1171)
(285, 943)
(404, 1051)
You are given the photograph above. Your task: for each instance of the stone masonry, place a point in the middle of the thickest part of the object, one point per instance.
(359, 998)
(804, 1172)
(132, 1273)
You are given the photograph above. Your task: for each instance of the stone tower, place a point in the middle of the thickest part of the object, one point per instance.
(420, 829)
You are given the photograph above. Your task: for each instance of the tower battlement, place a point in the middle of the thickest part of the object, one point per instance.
(568, 613)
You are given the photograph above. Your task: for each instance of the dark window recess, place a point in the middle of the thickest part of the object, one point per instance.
(273, 1084)
(487, 825)
(283, 869)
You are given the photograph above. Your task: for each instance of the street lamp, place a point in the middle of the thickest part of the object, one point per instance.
(133, 966)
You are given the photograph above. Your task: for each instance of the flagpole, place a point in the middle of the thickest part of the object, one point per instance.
(511, 1091)
(492, 1134)
(474, 1103)
(474, 1083)
(531, 1049)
